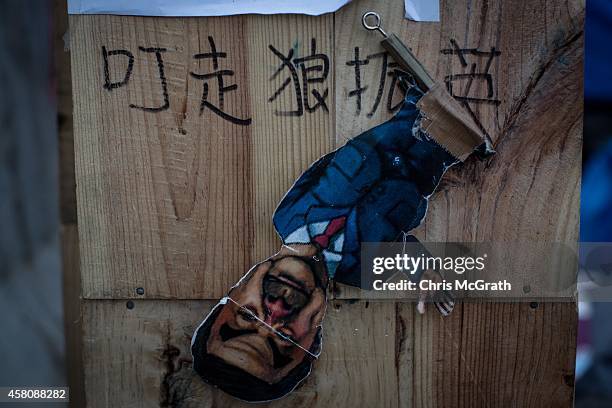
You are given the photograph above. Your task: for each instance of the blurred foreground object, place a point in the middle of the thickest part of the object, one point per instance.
(30, 278)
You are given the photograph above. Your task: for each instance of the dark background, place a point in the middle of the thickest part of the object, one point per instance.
(32, 334)
(594, 359)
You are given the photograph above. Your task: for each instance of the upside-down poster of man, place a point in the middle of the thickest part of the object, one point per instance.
(260, 341)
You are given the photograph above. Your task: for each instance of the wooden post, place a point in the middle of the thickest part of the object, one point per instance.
(69, 228)
(175, 200)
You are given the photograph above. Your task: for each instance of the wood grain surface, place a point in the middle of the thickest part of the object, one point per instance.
(69, 236)
(140, 357)
(180, 204)
(150, 363)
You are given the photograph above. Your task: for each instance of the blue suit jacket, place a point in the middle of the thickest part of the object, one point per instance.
(379, 181)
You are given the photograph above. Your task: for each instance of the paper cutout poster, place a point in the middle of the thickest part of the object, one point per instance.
(260, 341)
(417, 10)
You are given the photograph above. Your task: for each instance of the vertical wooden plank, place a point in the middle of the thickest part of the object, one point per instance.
(64, 113)
(374, 69)
(429, 365)
(71, 276)
(357, 367)
(493, 355)
(72, 314)
(536, 128)
(287, 135)
(128, 368)
(366, 92)
(536, 161)
(165, 196)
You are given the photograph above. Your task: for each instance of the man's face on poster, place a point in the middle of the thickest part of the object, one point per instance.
(271, 319)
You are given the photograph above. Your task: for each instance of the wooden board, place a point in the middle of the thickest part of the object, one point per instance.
(71, 273)
(73, 320)
(374, 354)
(64, 113)
(536, 127)
(489, 355)
(176, 202)
(146, 363)
(180, 204)
(283, 146)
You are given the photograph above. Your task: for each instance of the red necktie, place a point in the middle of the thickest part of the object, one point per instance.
(333, 227)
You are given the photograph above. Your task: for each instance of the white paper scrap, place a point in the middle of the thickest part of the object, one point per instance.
(422, 10)
(184, 8)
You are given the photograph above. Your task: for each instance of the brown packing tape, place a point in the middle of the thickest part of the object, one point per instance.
(447, 122)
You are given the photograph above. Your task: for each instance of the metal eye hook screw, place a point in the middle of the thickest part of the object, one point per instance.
(377, 22)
